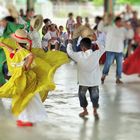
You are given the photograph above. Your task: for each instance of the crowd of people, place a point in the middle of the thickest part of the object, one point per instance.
(120, 34)
(28, 60)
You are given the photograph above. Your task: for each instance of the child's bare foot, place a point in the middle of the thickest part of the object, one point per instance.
(83, 114)
(95, 114)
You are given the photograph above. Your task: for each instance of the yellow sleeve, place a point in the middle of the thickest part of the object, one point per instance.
(23, 53)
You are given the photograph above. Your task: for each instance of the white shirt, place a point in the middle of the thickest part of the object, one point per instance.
(45, 40)
(35, 36)
(115, 37)
(63, 37)
(53, 34)
(88, 65)
(101, 37)
(1, 30)
(127, 16)
(70, 24)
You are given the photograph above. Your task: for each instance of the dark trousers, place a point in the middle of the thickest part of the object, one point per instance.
(94, 96)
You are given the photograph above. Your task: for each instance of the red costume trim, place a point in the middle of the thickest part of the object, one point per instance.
(22, 38)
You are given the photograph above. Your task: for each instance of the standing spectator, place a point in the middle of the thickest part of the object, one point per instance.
(134, 20)
(21, 12)
(70, 25)
(29, 15)
(127, 14)
(78, 27)
(87, 22)
(97, 21)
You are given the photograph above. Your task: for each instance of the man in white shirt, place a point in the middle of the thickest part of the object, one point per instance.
(88, 73)
(115, 36)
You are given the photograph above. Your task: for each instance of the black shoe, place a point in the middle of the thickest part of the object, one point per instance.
(118, 81)
(103, 79)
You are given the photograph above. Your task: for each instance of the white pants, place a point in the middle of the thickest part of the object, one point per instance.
(34, 112)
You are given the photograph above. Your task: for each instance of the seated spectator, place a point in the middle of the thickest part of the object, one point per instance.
(46, 39)
(47, 22)
(54, 37)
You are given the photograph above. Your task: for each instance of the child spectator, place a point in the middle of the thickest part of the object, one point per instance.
(87, 22)
(46, 39)
(70, 25)
(54, 37)
(63, 37)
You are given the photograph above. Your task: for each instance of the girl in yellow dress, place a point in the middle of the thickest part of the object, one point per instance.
(31, 78)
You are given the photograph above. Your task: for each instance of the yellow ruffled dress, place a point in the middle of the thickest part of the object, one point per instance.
(23, 85)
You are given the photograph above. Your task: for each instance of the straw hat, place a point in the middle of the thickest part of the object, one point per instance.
(21, 36)
(36, 22)
(87, 32)
(12, 10)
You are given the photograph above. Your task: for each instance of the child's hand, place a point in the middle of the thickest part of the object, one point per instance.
(26, 68)
(2, 44)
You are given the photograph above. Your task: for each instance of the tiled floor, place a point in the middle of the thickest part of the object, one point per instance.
(119, 112)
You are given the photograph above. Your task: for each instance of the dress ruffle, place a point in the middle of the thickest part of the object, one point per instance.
(23, 85)
(131, 65)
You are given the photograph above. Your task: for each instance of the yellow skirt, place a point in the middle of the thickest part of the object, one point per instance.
(23, 85)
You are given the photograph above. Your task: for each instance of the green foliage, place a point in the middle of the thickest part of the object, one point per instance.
(100, 2)
(128, 1)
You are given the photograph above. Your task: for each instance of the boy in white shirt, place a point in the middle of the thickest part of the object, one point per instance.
(88, 73)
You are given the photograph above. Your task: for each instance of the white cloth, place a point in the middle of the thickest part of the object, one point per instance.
(53, 34)
(1, 30)
(127, 16)
(35, 37)
(101, 37)
(3, 12)
(79, 40)
(88, 65)
(70, 25)
(115, 37)
(34, 112)
(20, 20)
(45, 40)
(63, 36)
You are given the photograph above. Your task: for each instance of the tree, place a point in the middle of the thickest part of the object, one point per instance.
(100, 2)
(128, 1)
